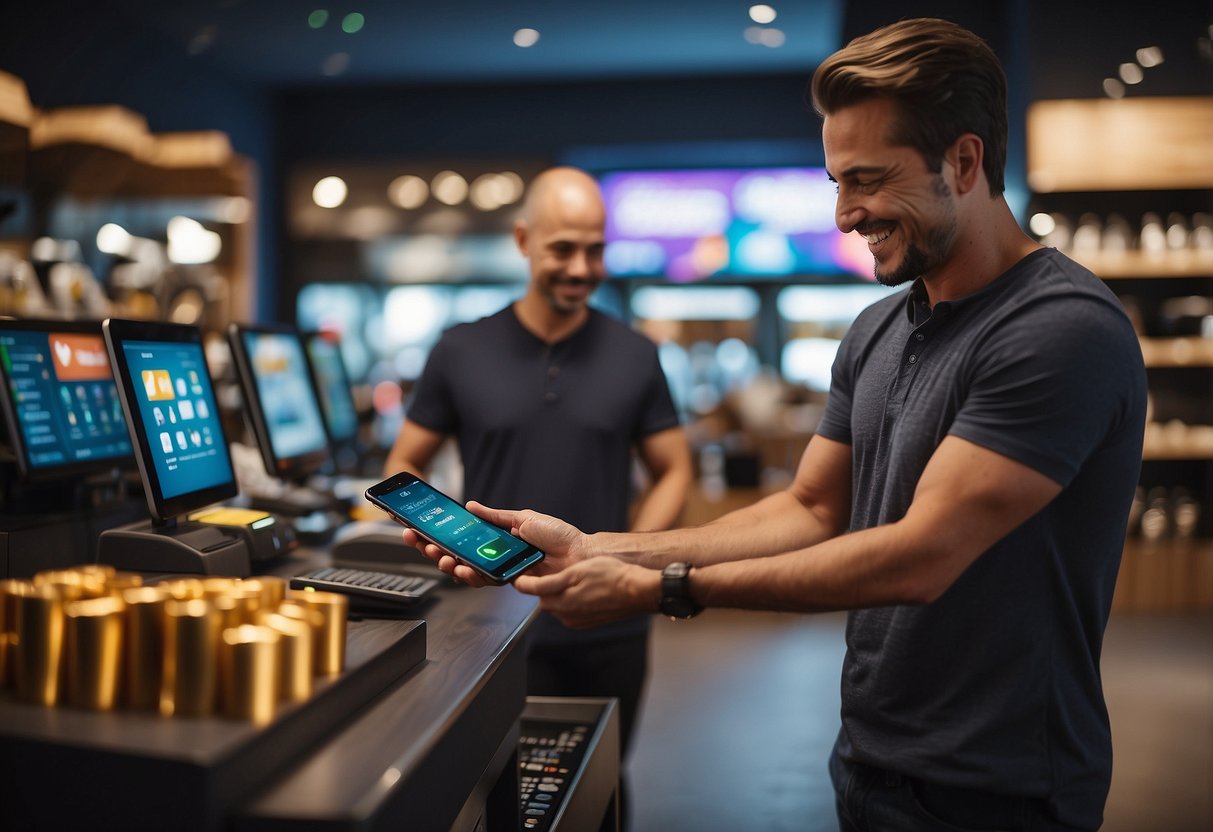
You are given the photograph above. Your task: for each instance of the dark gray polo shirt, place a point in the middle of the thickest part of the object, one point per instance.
(548, 427)
(996, 684)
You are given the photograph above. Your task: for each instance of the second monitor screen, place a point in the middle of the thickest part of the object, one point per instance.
(284, 389)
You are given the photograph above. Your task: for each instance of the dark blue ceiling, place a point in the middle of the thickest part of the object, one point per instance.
(270, 43)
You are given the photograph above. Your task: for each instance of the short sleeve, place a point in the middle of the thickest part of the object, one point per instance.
(1048, 395)
(431, 404)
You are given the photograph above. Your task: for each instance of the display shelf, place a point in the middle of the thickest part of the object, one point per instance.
(1177, 352)
(1141, 265)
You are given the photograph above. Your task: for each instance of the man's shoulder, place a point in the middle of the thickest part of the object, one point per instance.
(608, 327)
(475, 333)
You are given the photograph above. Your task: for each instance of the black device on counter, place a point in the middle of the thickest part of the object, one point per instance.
(181, 450)
(493, 552)
(370, 592)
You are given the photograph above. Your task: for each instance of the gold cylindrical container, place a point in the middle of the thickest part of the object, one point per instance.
(9, 589)
(294, 656)
(214, 586)
(273, 590)
(249, 655)
(103, 572)
(93, 635)
(185, 589)
(329, 648)
(39, 640)
(143, 656)
(191, 650)
(121, 581)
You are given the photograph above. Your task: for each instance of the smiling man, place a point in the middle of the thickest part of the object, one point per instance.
(967, 490)
(548, 400)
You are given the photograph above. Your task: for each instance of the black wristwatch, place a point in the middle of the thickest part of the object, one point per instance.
(676, 592)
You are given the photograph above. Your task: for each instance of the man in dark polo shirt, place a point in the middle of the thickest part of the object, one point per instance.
(966, 494)
(547, 400)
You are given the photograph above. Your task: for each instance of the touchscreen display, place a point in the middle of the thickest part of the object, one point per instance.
(284, 388)
(333, 387)
(453, 527)
(179, 416)
(63, 398)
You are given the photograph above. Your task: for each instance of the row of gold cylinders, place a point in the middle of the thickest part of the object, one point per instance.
(92, 637)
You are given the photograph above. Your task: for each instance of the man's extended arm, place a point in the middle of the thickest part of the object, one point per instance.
(967, 499)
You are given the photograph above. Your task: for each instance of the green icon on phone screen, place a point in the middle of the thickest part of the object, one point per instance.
(492, 550)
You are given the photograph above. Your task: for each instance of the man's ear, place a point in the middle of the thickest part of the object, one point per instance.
(520, 234)
(966, 155)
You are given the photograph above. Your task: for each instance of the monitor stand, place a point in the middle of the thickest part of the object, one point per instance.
(170, 546)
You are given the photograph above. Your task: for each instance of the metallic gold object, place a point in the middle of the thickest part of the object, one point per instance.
(273, 590)
(93, 636)
(294, 656)
(250, 658)
(191, 648)
(185, 589)
(39, 658)
(143, 656)
(9, 589)
(329, 648)
(214, 587)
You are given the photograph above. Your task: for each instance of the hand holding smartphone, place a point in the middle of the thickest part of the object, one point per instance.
(493, 552)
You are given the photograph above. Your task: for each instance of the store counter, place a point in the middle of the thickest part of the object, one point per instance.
(401, 740)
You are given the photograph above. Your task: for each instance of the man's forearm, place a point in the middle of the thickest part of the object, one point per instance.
(777, 523)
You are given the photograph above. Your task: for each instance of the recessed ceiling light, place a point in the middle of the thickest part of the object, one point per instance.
(526, 37)
(762, 13)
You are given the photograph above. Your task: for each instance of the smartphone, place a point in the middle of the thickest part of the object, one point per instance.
(492, 551)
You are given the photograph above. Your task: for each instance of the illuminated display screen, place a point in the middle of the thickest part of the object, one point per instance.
(63, 407)
(179, 416)
(690, 225)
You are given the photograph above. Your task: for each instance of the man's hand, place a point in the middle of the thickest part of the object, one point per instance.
(594, 592)
(562, 543)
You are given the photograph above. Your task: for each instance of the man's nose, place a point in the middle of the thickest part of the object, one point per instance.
(848, 213)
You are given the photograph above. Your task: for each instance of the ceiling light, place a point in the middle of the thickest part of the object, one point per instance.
(1131, 73)
(1113, 88)
(762, 13)
(526, 37)
(408, 191)
(449, 188)
(1149, 56)
(330, 192)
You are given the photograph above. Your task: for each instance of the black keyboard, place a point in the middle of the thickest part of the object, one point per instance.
(369, 591)
(549, 754)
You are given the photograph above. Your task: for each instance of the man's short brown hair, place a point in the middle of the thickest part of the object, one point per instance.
(944, 80)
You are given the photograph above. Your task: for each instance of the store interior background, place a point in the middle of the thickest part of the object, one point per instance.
(609, 87)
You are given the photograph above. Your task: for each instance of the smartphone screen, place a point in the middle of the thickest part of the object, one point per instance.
(492, 551)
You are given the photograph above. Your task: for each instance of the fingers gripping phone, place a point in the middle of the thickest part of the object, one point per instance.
(493, 552)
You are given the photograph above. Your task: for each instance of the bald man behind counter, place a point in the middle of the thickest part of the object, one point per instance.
(547, 399)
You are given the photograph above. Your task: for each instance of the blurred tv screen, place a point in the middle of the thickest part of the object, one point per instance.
(737, 223)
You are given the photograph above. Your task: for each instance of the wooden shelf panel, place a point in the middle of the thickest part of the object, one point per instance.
(1120, 145)
(1144, 265)
(1177, 352)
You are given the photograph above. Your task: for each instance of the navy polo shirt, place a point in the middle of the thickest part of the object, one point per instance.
(547, 426)
(995, 685)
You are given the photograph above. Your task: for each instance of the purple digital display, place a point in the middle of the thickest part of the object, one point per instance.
(691, 225)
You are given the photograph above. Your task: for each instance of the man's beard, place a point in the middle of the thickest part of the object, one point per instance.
(918, 261)
(563, 307)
